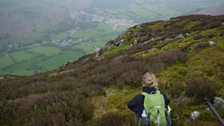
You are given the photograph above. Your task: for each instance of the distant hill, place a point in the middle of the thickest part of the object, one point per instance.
(186, 53)
(217, 10)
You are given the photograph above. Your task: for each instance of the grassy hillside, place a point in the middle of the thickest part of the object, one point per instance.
(186, 53)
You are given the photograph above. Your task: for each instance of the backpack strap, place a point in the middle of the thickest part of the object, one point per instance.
(144, 93)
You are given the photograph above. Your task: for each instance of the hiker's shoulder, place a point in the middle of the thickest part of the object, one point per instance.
(139, 96)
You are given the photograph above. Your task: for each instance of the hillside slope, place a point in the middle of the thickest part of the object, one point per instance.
(186, 53)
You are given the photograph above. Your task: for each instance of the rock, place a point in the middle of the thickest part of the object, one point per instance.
(195, 114)
(99, 51)
(128, 33)
(111, 42)
(197, 36)
(67, 64)
(168, 39)
(109, 47)
(212, 43)
(145, 42)
(180, 36)
(136, 33)
(97, 55)
(2, 78)
(222, 23)
(155, 39)
(85, 60)
(117, 43)
(152, 49)
(135, 42)
(219, 101)
(138, 26)
(144, 38)
(152, 39)
(187, 34)
(121, 41)
(199, 46)
(98, 59)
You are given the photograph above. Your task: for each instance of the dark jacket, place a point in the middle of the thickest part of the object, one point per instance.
(137, 103)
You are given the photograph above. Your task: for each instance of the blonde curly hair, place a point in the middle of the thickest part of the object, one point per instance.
(149, 80)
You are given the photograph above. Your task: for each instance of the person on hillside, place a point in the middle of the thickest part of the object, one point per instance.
(150, 106)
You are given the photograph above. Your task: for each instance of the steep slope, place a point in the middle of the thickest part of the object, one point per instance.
(186, 53)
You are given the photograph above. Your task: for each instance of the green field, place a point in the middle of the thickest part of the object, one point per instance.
(56, 61)
(21, 56)
(44, 58)
(28, 67)
(85, 47)
(57, 36)
(100, 30)
(46, 50)
(37, 64)
(90, 47)
(5, 61)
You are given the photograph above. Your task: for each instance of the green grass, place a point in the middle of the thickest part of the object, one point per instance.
(100, 30)
(190, 24)
(56, 61)
(91, 45)
(46, 50)
(203, 63)
(33, 38)
(42, 63)
(115, 50)
(115, 100)
(58, 36)
(84, 47)
(28, 67)
(97, 43)
(50, 58)
(21, 56)
(85, 34)
(156, 26)
(214, 31)
(3, 46)
(5, 61)
(104, 27)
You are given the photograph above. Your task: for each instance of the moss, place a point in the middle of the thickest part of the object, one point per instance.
(204, 61)
(190, 24)
(115, 101)
(156, 26)
(115, 50)
(214, 31)
(172, 79)
(220, 44)
(150, 52)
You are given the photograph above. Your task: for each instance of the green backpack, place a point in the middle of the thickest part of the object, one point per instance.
(154, 105)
